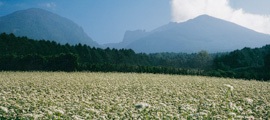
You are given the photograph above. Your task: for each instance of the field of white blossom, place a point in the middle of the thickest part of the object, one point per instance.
(85, 95)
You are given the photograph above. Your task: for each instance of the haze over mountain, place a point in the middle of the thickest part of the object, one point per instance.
(201, 33)
(40, 24)
(129, 37)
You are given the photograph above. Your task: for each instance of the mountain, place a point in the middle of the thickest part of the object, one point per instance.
(40, 24)
(129, 37)
(201, 33)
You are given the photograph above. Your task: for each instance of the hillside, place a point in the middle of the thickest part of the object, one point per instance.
(201, 33)
(129, 37)
(40, 24)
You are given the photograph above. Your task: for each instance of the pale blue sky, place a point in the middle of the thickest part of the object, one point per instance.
(107, 20)
(252, 6)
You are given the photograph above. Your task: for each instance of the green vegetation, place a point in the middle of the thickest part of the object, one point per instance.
(84, 95)
(246, 63)
(22, 46)
(23, 54)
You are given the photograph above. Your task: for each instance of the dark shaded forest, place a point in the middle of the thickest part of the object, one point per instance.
(24, 54)
(246, 63)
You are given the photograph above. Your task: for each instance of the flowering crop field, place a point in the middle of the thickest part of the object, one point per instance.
(85, 95)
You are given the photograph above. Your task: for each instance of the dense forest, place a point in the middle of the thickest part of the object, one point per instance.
(21, 53)
(246, 63)
(24, 54)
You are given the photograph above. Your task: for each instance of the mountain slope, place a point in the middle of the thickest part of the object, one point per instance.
(202, 33)
(129, 37)
(37, 23)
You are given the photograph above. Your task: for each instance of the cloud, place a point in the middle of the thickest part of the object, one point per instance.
(183, 10)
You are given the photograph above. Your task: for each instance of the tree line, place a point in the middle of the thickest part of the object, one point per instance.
(245, 63)
(24, 54)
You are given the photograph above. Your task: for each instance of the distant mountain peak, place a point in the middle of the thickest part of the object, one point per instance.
(207, 18)
(34, 12)
(35, 9)
(40, 24)
(204, 16)
(201, 33)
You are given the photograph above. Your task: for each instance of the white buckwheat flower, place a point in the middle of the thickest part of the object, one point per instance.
(248, 100)
(59, 111)
(4, 109)
(232, 114)
(142, 105)
(250, 118)
(239, 117)
(229, 87)
(28, 115)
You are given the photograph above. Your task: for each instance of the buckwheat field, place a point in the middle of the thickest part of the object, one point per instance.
(85, 95)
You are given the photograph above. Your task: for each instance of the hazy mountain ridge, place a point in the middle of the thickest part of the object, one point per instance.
(201, 33)
(129, 37)
(40, 24)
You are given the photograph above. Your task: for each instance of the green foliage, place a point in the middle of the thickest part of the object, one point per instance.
(63, 62)
(246, 63)
(242, 59)
(23, 54)
(203, 60)
(267, 61)
(22, 46)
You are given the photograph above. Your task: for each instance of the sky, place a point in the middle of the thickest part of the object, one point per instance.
(106, 21)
